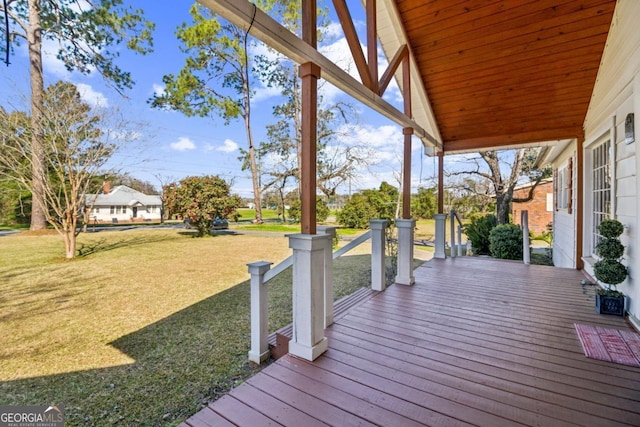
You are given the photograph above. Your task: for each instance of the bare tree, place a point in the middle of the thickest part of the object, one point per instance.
(85, 32)
(505, 176)
(77, 143)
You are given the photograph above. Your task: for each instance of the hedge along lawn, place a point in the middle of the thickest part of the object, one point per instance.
(145, 328)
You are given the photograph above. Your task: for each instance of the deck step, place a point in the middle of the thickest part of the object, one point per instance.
(279, 340)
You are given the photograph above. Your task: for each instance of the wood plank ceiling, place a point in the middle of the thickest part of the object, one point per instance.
(505, 72)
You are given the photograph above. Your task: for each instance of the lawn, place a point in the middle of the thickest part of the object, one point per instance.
(144, 328)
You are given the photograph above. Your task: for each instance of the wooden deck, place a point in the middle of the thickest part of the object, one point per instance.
(474, 342)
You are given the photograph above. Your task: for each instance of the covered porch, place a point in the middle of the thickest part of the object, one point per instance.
(475, 341)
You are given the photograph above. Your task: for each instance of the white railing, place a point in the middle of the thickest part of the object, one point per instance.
(261, 272)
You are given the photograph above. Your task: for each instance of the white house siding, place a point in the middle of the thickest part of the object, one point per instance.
(616, 94)
(564, 223)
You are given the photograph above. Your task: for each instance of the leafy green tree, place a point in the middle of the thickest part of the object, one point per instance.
(215, 78)
(86, 33)
(367, 205)
(201, 199)
(78, 141)
(322, 210)
(424, 204)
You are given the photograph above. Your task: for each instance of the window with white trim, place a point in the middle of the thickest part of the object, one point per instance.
(601, 190)
(561, 187)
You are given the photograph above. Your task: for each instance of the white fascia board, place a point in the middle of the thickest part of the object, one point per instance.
(244, 14)
(391, 36)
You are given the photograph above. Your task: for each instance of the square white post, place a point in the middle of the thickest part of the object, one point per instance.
(405, 251)
(259, 351)
(308, 341)
(328, 275)
(441, 225)
(378, 267)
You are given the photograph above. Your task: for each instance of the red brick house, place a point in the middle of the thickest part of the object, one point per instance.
(540, 208)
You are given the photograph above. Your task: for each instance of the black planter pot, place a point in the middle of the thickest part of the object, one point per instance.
(607, 304)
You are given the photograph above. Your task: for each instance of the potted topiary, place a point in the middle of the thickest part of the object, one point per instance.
(609, 270)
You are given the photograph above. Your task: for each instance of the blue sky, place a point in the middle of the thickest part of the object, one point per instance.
(176, 146)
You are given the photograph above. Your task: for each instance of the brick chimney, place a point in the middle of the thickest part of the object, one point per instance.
(106, 187)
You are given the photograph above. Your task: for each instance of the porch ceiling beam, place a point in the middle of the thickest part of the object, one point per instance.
(479, 144)
(244, 14)
(354, 44)
(401, 55)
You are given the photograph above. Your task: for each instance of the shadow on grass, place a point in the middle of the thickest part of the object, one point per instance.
(182, 362)
(102, 245)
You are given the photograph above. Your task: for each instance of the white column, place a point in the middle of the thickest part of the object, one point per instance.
(405, 251)
(308, 341)
(259, 351)
(378, 265)
(441, 225)
(524, 220)
(328, 275)
(452, 233)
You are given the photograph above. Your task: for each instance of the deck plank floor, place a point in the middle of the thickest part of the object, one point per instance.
(474, 342)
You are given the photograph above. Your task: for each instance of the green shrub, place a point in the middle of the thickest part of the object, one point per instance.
(505, 242)
(478, 230)
(610, 248)
(610, 228)
(610, 271)
(322, 210)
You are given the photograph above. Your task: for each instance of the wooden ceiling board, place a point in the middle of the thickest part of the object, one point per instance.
(497, 70)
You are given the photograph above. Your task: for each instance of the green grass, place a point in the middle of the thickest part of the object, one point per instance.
(279, 228)
(145, 328)
(250, 214)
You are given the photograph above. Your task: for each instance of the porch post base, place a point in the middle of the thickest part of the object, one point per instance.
(309, 353)
(405, 251)
(441, 220)
(378, 273)
(308, 340)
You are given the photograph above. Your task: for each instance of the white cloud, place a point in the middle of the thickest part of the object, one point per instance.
(182, 144)
(158, 89)
(50, 63)
(228, 147)
(92, 97)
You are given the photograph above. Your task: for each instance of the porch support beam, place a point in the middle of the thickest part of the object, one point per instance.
(244, 14)
(372, 43)
(407, 132)
(309, 74)
(354, 43)
(401, 55)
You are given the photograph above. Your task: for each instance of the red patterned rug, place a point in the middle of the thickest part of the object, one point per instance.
(611, 345)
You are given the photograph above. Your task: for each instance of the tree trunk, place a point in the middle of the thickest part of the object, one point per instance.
(503, 203)
(34, 40)
(255, 178)
(254, 173)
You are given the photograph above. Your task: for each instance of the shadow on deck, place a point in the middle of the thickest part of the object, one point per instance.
(475, 342)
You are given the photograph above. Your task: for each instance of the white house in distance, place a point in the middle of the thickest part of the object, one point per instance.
(607, 163)
(123, 204)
